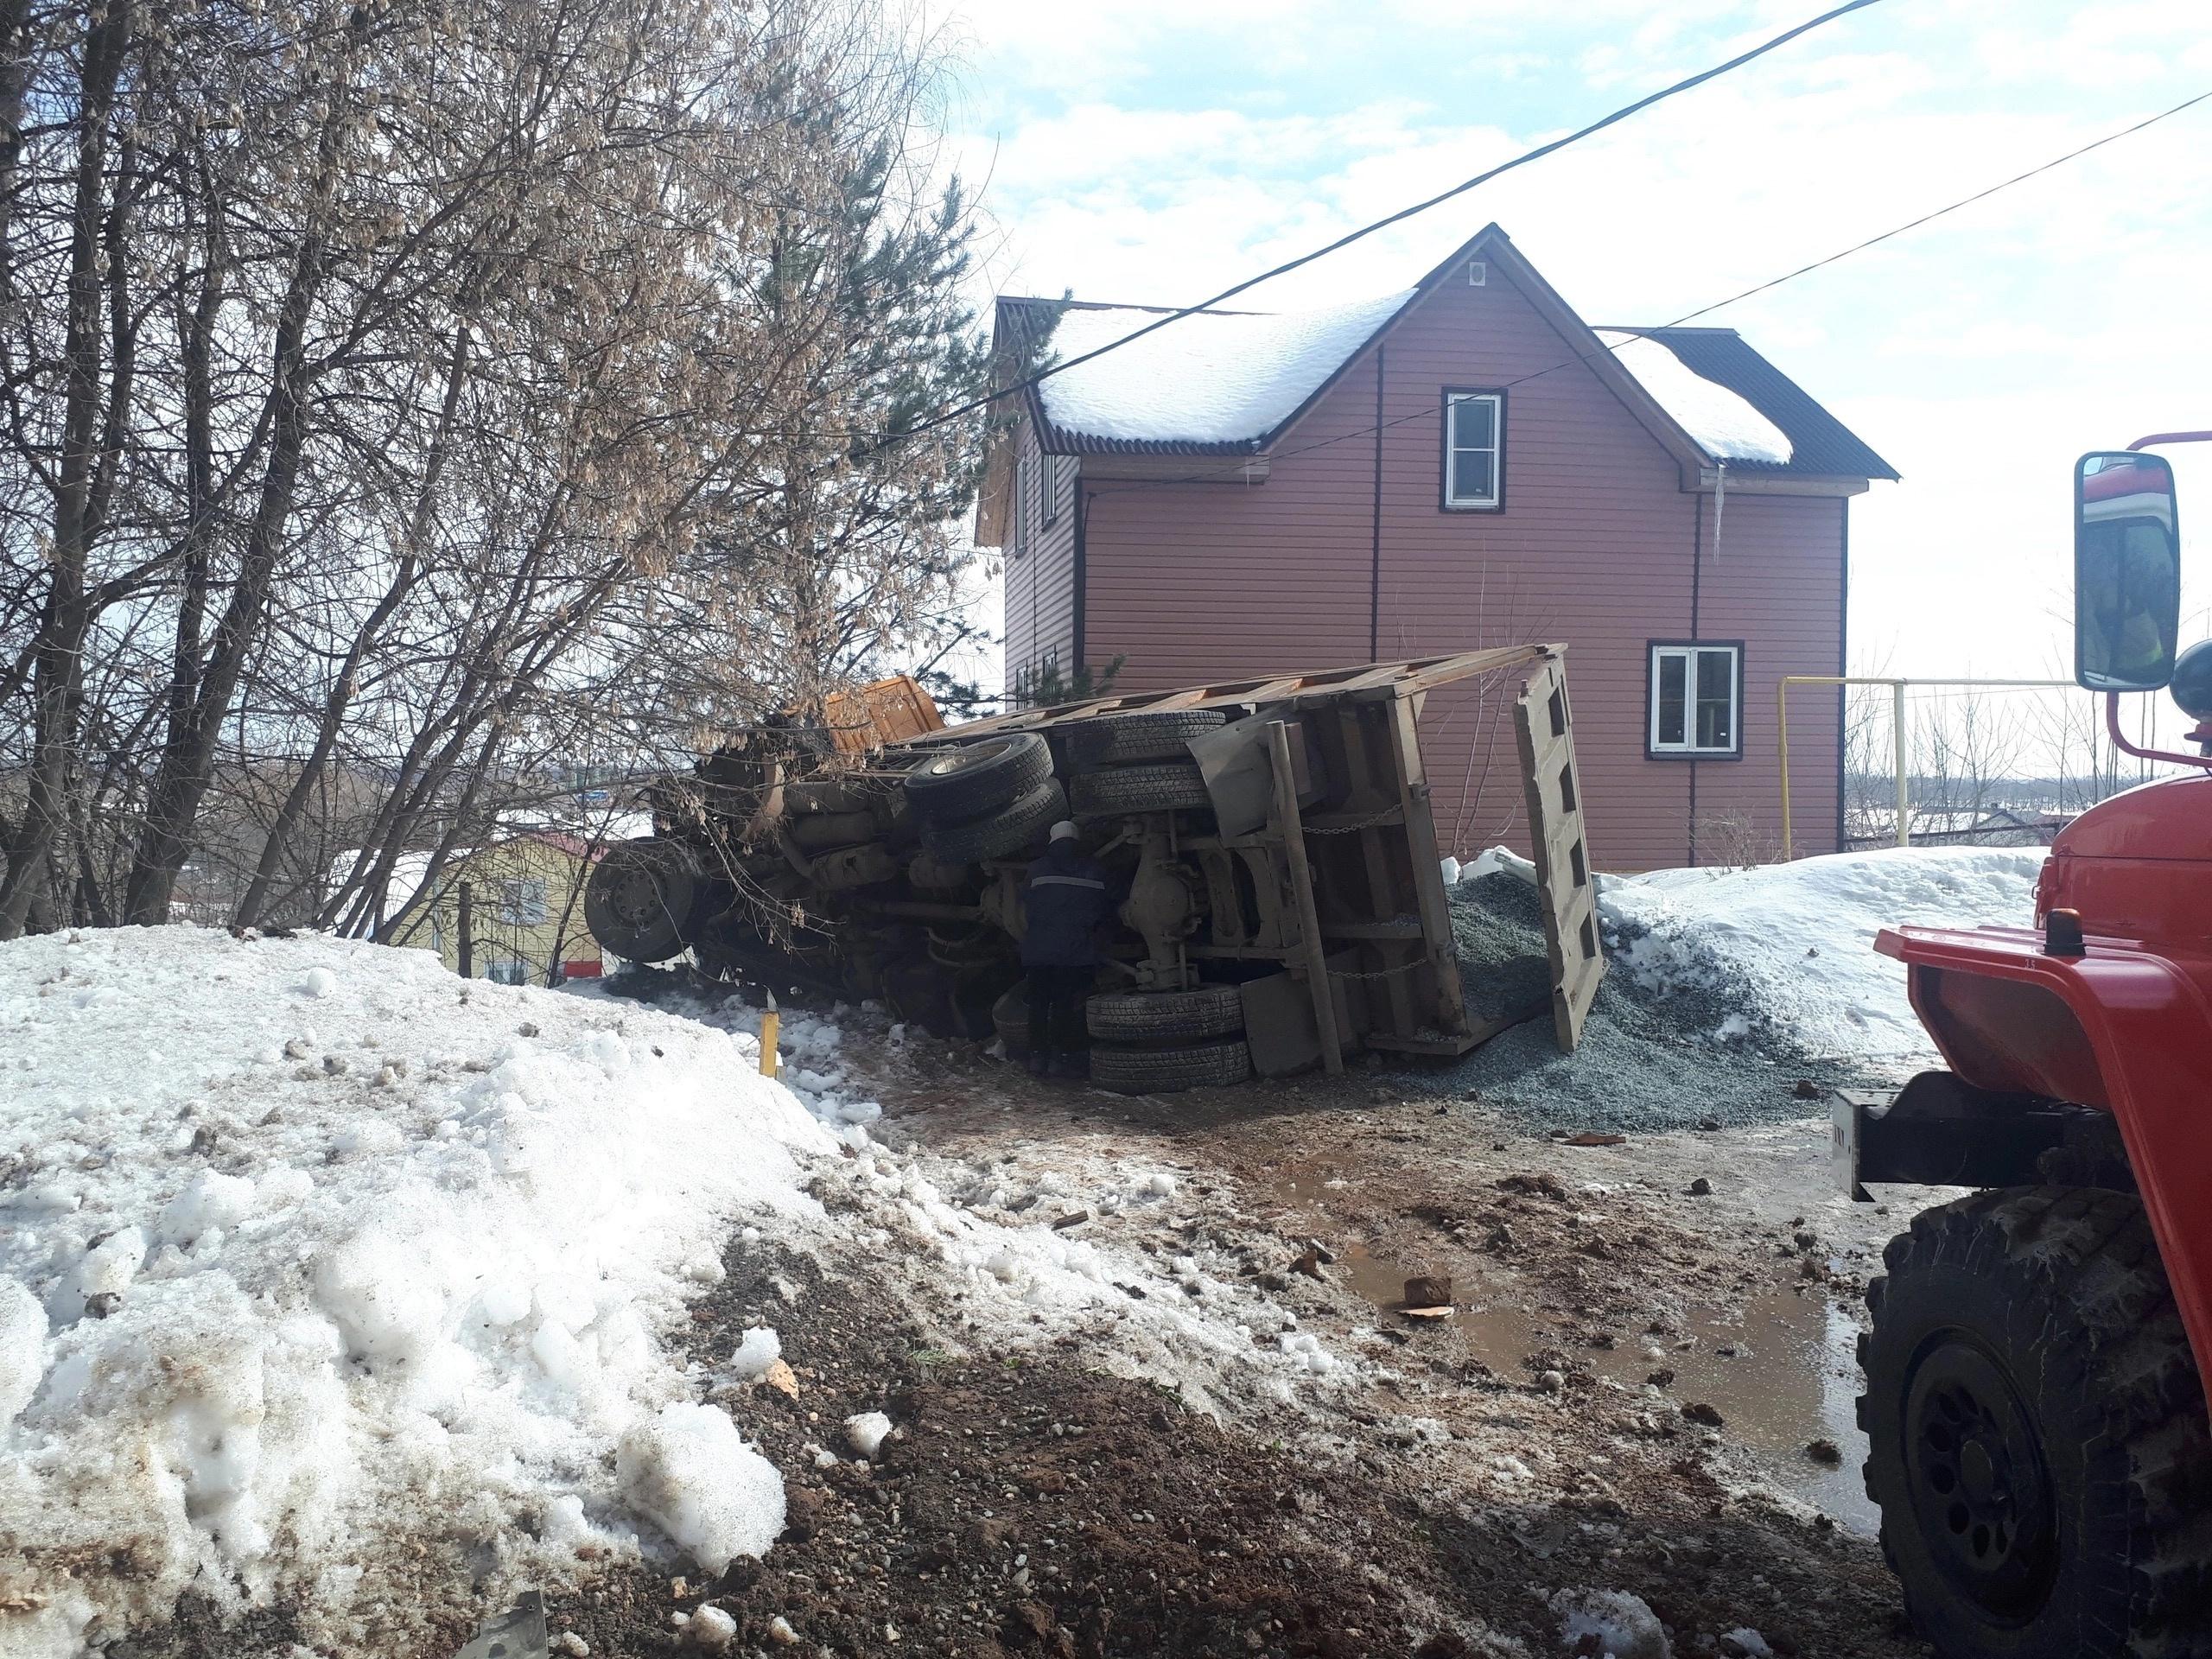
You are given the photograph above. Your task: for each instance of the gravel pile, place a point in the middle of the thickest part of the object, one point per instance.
(1647, 1061)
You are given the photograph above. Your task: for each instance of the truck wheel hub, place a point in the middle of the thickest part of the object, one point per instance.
(634, 895)
(1979, 1491)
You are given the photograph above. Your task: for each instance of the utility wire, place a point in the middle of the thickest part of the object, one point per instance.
(1963, 201)
(1237, 465)
(1351, 237)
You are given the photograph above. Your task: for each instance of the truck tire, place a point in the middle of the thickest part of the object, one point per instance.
(1004, 832)
(1164, 788)
(1120, 740)
(1163, 1071)
(1158, 1017)
(642, 898)
(2037, 1431)
(978, 779)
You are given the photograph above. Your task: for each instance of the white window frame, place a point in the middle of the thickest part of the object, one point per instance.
(1495, 501)
(1693, 654)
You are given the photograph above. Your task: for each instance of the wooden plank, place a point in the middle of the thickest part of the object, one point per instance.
(1544, 729)
(1311, 950)
(1363, 800)
(1434, 908)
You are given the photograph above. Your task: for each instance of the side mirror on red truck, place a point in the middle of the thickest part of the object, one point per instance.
(2126, 572)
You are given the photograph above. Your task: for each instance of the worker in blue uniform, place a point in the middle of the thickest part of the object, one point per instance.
(1071, 900)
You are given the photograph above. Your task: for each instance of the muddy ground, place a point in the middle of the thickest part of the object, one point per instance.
(1647, 1387)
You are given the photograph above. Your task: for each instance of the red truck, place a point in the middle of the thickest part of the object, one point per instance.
(2035, 1408)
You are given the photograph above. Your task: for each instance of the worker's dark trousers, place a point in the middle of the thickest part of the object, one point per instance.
(1056, 999)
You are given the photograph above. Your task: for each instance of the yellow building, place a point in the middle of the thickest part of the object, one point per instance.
(525, 898)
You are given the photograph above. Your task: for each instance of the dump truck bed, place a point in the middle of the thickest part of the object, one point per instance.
(1273, 834)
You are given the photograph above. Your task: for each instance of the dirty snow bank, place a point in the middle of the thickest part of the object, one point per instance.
(307, 1247)
(1728, 990)
(328, 1278)
(983, 1230)
(1209, 377)
(1794, 944)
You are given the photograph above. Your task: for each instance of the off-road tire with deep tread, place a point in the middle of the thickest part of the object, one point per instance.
(1002, 832)
(1165, 788)
(1163, 1071)
(1140, 1018)
(2062, 1288)
(979, 779)
(1124, 740)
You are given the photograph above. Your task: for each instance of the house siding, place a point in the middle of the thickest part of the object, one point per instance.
(1040, 561)
(1597, 544)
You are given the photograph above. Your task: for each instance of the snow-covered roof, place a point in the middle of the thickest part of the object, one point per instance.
(1211, 378)
(1227, 383)
(1723, 422)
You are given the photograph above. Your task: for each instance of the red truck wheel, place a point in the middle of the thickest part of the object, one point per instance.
(2037, 1433)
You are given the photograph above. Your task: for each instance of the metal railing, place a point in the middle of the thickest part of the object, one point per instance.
(1897, 685)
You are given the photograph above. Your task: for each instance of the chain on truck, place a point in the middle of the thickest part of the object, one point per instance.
(1284, 902)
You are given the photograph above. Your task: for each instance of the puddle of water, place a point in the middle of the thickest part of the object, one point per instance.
(1792, 1378)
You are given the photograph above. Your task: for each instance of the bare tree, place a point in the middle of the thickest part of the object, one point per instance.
(407, 400)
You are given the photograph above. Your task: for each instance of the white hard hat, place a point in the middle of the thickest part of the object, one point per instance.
(1065, 831)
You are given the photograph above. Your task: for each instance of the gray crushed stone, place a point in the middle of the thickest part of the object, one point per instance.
(1647, 1062)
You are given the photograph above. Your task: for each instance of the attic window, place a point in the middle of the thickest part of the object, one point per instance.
(1474, 450)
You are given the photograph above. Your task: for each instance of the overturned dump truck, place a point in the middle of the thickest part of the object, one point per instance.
(1284, 901)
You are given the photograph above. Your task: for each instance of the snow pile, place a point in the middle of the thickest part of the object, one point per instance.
(307, 1247)
(713, 1494)
(1793, 943)
(758, 1350)
(1624, 1626)
(1724, 423)
(866, 1431)
(1215, 377)
(324, 1274)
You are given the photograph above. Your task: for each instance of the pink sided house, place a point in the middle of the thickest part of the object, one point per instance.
(1463, 464)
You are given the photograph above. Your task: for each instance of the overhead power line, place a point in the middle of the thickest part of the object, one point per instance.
(1367, 230)
(1237, 465)
(1963, 201)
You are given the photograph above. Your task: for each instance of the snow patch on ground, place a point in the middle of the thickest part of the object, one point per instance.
(294, 1276)
(1725, 425)
(1794, 944)
(330, 1251)
(1624, 1626)
(1797, 940)
(1215, 377)
(715, 1497)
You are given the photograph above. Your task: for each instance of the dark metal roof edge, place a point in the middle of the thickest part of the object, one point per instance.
(1838, 451)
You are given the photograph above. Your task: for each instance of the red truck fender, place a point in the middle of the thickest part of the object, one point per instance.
(2119, 1027)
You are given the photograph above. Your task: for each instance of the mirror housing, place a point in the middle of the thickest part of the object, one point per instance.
(2126, 572)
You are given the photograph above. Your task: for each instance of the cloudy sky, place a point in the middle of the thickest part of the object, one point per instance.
(1156, 150)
